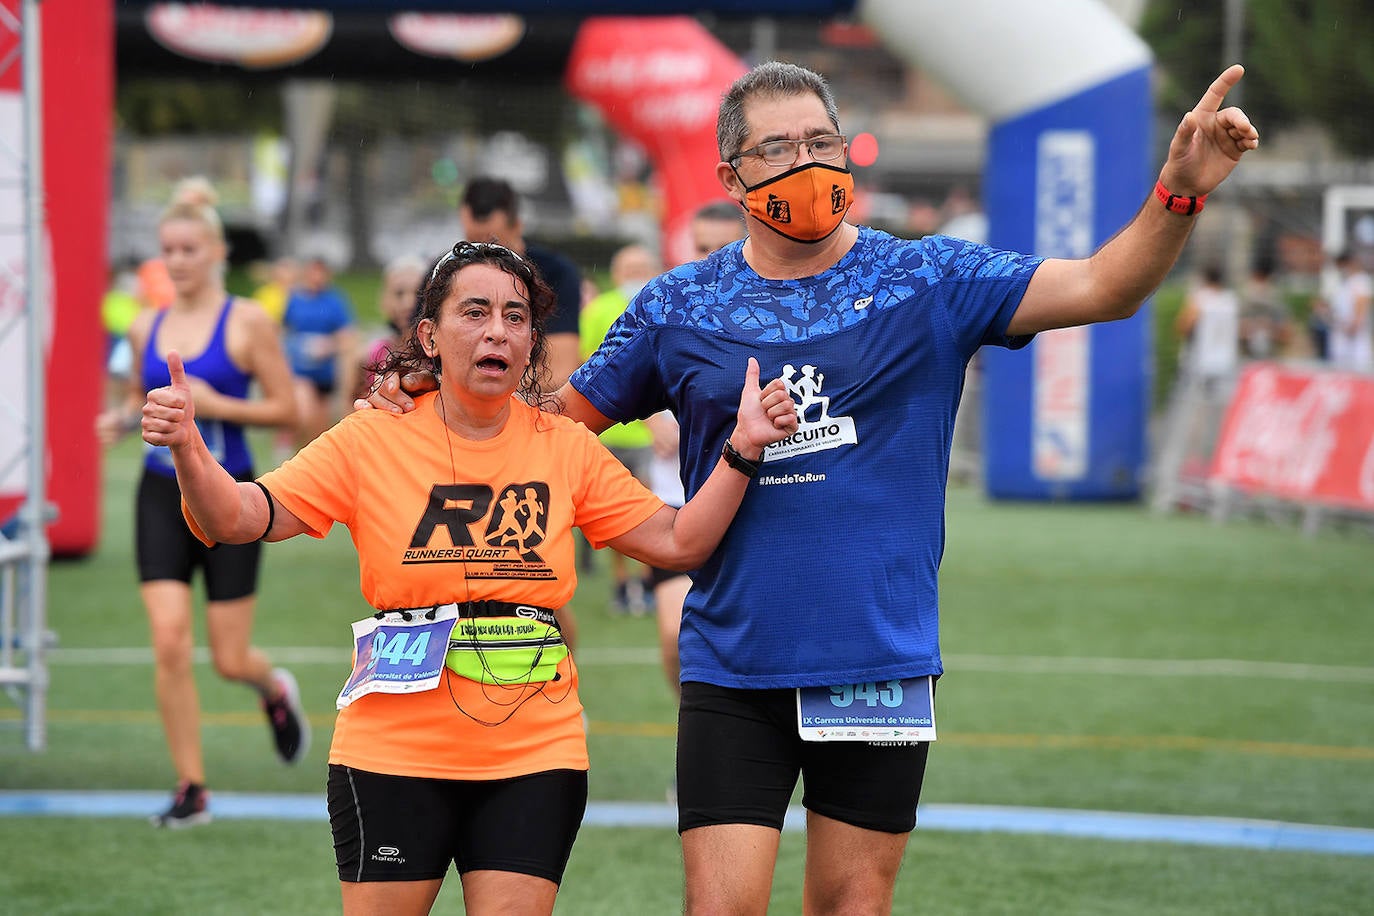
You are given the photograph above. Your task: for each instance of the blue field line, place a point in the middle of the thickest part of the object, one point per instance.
(1103, 825)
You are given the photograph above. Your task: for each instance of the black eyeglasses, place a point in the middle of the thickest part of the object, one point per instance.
(474, 251)
(785, 152)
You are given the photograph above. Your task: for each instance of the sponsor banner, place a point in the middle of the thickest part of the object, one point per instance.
(13, 274)
(466, 38)
(1064, 205)
(252, 38)
(1304, 435)
(1059, 424)
(75, 117)
(658, 80)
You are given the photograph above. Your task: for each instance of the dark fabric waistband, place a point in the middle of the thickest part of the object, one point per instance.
(482, 609)
(507, 609)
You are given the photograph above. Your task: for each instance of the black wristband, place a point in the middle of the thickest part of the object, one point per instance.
(739, 462)
(271, 509)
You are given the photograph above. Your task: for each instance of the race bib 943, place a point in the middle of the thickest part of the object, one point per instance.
(877, 711)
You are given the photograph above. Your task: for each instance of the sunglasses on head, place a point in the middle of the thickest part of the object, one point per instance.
(469, 252)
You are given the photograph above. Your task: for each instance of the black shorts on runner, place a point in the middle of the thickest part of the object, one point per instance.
(166, 548)
(739, 755)
(408, 828)
(655, 576)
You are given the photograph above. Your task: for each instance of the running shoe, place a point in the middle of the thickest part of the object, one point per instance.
(290, 727)
(190, 806)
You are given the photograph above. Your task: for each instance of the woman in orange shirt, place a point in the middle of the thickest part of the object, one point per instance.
(460, 736)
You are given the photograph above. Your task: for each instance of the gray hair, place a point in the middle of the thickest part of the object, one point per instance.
(773, 79)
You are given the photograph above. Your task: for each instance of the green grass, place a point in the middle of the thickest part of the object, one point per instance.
(238, 867)
(1055, 621)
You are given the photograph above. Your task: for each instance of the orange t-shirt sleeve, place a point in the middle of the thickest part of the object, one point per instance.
(191, 523)
(610, 501)
(319, 484)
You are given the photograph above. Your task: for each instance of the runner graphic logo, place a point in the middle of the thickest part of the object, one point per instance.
(512, 526)
(817, 430)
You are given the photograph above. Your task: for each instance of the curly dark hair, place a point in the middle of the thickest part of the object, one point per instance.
(411, 357)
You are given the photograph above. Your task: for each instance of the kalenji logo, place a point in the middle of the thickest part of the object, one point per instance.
(388, 854)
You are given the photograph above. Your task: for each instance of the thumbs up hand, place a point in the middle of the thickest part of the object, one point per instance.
(766, 415)
(169, 416)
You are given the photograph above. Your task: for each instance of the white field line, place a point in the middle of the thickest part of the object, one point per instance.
(994, 664)
(1159, 667)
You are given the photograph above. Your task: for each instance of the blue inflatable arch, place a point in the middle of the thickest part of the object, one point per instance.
(1066, 86)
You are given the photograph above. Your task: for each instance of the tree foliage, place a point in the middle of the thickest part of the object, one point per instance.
(1305, 61)
(153, 107)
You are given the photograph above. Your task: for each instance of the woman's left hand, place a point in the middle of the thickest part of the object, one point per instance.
(169, 415)
(766, 415)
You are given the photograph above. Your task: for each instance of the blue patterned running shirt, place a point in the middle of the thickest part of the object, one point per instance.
(828, 574)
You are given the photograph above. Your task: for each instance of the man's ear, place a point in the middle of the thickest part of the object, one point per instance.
(734, 188)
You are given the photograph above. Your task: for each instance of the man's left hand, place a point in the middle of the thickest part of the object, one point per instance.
(1209, 141)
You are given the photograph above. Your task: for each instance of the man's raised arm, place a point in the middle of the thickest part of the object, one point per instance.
(1113, 282)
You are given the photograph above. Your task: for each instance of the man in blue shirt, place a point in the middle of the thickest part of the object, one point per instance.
(321, 343)
(877, 331)
(490, 212)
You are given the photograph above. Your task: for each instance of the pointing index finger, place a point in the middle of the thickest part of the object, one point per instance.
(1216, 93)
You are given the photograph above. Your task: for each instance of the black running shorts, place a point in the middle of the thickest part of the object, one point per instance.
(166, 548)
(407, 828)
(739, 755)
(656, 576)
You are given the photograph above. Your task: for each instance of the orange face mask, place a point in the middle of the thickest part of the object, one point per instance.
(805, 204)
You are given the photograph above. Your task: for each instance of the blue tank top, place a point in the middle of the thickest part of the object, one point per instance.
(213, 365)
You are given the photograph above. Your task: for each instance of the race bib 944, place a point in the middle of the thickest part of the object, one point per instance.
(394, 654)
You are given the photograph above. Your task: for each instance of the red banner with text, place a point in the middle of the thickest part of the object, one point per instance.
(77, 92)
(658, 80)
(1303, 435)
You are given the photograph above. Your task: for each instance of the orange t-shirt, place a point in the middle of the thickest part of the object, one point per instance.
(155, 283)
(438, 518)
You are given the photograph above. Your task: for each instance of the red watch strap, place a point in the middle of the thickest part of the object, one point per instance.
(1174, 203)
